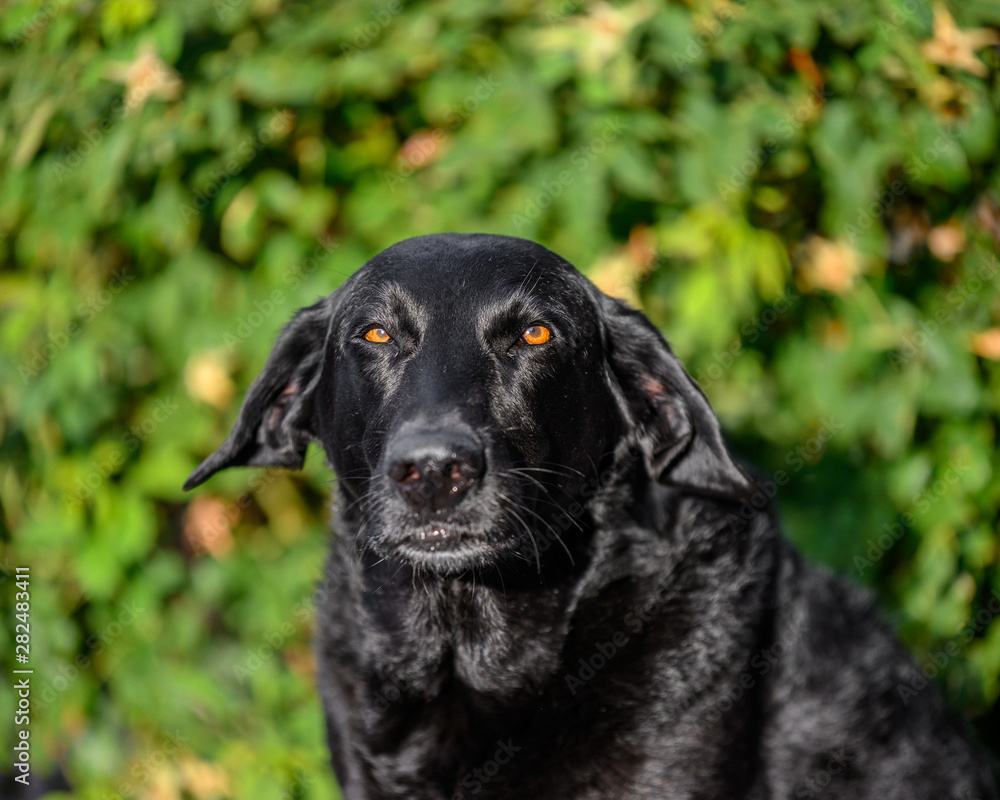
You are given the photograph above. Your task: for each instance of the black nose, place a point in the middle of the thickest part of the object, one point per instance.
(435, 470)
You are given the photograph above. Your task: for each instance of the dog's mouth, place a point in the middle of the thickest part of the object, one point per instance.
(445, 542)
(443, 546)
(431, 538)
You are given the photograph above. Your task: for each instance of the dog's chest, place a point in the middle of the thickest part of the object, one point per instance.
(463, 703)
(458, 747)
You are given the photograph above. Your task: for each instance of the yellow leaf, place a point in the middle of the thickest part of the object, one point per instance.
(987, 344)
(145, 76)
(828, 265)
(950, 46)
(207, 379)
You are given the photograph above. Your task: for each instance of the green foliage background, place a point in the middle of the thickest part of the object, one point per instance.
(802, 194)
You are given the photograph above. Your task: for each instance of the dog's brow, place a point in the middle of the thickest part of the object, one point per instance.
(518, 307)
(391, 295)
(386, 301)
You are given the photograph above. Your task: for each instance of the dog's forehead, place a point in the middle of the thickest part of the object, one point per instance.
(471, 269)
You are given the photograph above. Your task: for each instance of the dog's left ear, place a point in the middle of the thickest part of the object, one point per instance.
(671, 422)
(275, 423)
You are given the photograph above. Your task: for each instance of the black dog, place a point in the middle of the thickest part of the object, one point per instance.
(550, 579)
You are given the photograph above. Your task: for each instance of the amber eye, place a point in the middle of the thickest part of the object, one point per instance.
(536, 334)
(377, 335)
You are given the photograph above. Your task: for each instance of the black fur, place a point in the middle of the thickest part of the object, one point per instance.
(550, 579)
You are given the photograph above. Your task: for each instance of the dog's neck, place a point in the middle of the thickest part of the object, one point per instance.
(435, 630)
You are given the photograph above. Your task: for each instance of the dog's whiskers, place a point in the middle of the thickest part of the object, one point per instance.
(553, 531)
(527, 528)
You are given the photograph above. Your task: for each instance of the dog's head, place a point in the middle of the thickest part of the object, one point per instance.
(468, 389)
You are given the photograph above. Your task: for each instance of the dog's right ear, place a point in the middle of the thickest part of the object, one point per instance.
(670, 420)
(275, 423)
